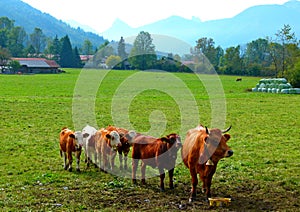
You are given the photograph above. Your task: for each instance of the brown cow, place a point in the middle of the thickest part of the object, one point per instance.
(70, 141)
(105, 142)
(126, 139)
(155, 152)
(201, 152)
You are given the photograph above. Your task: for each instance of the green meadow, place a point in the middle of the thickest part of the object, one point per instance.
(263, 173)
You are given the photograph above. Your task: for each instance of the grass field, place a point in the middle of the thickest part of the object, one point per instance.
(263, 173)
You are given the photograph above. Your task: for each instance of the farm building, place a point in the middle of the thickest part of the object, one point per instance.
(37, 65)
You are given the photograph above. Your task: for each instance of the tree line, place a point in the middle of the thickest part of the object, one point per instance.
(15, 42)
(270, 57)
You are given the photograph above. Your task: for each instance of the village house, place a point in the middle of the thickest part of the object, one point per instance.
(37, 65)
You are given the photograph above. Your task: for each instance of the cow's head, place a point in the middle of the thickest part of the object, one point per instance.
(114, 138)
(173, 141)
(130, 136)
(77, 140)
(216, 143)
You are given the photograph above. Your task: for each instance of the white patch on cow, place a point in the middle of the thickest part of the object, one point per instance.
(130, 136)
(115, 138)
(209, 163)
(79, 138)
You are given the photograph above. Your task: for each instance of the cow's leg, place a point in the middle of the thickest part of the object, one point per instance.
(135, 163)
(99, 161)
(162, 178)
(121, 160)
(105, 160)
(171, 173)
(95, 159)
(69, 155)
(193, 173)
(112, 159)
(125, 161)
(143, 171)
(77, 154)
(65, 160)
(208, 179)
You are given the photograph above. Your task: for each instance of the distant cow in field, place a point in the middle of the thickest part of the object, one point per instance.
(201, 152)
(126, 139)
(238, 79)
(155, 152)
(105, 142)
(89, 144)
(70, 142)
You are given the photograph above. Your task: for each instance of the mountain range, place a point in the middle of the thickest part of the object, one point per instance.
(253, 23)
(28, 17)
(174, 34)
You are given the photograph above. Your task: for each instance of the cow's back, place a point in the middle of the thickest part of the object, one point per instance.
(65, 140)
(192, 147)
(144, 147)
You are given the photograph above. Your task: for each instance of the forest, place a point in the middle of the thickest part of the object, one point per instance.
(277, 56)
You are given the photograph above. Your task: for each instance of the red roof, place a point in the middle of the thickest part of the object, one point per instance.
(37, 62)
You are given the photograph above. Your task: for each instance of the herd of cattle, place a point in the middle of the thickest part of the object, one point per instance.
(201, 152)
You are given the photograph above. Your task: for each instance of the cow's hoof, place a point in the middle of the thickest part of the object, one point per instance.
(162, 190)
(143, 182)
(70, 169)
(134, 181)
(65, 168)
(78, 170)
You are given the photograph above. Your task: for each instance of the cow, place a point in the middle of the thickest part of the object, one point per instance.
(155, 152)
(105, 142)
(88, 133)
(69, 142)
(126, 139)
(201, 152)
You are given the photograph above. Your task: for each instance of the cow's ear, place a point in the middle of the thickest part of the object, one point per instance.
(108, 136)
(206, 138)
(72, 136)
(227, 137)
(85, 135)
(172, 140)
(164, 139)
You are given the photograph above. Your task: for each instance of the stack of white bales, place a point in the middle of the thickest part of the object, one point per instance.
(275, 85)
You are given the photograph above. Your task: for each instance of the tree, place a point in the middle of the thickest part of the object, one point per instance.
(77, 60)
(232, 61)
(38, 40)
(121, 49)
(206, 46)
(87, 48)
(280, 49)
(142, 55)
(113, 61)
(4, 56)
(54, 49)
(66, 54)
(122, 53)
(16, 41)
(14, 65)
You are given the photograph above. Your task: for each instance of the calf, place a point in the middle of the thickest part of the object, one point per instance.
(201, 152)
(105, 142)
(89, 144)
(126, 139)
(155, 152)
(69, 142)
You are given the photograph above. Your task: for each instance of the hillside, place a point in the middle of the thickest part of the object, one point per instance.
(254, 22)
(16, 10)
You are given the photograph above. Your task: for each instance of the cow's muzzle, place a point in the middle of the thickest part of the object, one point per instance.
(229, 153)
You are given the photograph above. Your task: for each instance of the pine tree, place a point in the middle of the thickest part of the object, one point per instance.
(66, 55)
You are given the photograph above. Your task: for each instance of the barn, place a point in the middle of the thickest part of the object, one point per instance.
(37, 65)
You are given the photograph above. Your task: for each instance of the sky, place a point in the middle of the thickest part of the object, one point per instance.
(100, 15)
